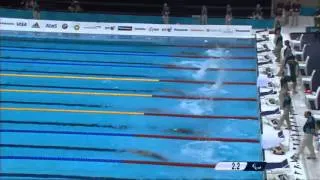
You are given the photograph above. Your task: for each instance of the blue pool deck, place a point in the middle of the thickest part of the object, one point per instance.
(99, 106)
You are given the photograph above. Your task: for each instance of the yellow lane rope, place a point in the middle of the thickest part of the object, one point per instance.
(73, 92)
(70, 111)
(80, 77)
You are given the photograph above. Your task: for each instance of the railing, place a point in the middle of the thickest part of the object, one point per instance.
(215, 8)
(49, 15)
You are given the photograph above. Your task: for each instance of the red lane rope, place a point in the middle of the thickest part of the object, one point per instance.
(171, 164)
(203, 116)
(193, 138)
(154, 136)
(216, 57)
(205, 98)
(209, 69)
(205, 82)
(240, 83)
(96, 160)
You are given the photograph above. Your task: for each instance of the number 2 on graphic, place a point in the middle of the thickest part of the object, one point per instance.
(235, 166)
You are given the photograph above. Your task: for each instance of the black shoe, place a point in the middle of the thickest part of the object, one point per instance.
(312, 158)
(297, 173)
(296, 166)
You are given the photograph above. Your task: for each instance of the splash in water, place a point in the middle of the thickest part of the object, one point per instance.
(200, 151)
(197, 107)
(218, 52)
(214, 89)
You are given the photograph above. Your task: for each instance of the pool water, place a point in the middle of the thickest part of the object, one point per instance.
(79, 107)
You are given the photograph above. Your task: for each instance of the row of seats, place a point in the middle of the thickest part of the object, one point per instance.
(306, 47)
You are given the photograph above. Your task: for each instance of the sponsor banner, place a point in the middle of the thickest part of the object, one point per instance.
(76, 27)
(21, 24)
(153, 29)
(92, 27)
(180, 29)
(111, 28)
(51, 26)
(242, 30)
(7, 23)
(196, 30)
(166, 29)
(65, 26)
(125, 28)
(36, 25)
(140, 29)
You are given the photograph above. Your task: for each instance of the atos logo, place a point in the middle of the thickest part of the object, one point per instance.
(51, 25)
(21, 24)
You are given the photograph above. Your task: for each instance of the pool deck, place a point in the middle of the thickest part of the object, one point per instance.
(310, 167)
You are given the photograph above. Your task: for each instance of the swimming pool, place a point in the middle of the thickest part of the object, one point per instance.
(127, 107)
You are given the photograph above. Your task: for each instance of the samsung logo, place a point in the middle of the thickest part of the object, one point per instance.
(238, 30)
(125, 28)
(6, 23)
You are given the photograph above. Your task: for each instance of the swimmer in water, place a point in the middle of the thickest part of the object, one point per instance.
(148, 154)
(175, 91)
(182, 131)
(189, 53)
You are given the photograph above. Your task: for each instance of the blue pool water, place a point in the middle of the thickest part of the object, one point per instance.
(98, 106)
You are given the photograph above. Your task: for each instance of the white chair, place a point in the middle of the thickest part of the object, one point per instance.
(303, 66)
(307, 80)
(300, 53)
(297, 42)
(314, 98)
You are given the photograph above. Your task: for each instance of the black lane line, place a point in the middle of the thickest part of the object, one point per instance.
(75, 73)
(30, 146)
(56, 104)
(58, 176)
(89, 50)
(146, 44)
(121, 127)
(127, 64)
(85, 61)
(78, 88)
(197, 56)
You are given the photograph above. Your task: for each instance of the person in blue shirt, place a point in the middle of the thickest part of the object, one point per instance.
(309, 130)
